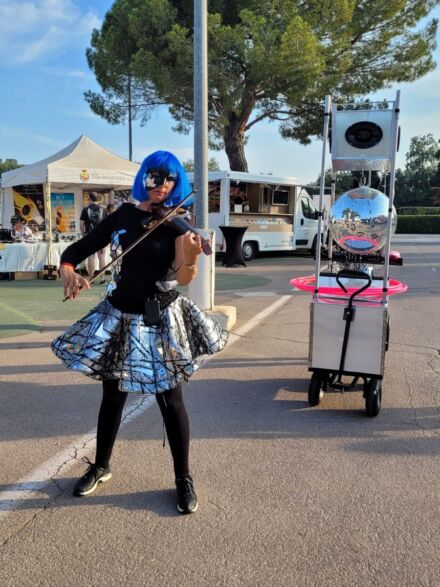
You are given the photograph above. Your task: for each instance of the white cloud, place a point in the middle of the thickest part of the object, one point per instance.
(17, 133)
(31, 30)
(427, 86)
(61, 72)
(80, 113)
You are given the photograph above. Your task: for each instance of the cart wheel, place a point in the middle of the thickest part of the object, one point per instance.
(315, 391)
(373, 397)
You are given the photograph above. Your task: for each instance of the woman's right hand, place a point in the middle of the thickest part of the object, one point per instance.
(72, 282)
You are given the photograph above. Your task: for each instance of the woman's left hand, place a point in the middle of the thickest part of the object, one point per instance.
(192, 247)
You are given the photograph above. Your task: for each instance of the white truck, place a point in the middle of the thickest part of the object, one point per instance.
(278, 212)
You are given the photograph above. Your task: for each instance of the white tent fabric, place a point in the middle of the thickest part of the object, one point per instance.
(82, 165)
(82, 162)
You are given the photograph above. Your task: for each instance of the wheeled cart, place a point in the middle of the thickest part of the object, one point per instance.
(349, 321)
(349, 334)
(348, 338)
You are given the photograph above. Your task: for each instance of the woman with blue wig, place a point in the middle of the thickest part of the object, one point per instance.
(143, 337)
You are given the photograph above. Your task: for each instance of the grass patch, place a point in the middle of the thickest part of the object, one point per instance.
(226, 281)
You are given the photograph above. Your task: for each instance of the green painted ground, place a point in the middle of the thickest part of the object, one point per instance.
(25, 305)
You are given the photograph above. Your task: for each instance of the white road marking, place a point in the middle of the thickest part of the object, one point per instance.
(29, 486)
(255, 294)
(250, 324)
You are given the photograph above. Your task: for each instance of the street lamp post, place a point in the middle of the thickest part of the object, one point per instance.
(202, 288)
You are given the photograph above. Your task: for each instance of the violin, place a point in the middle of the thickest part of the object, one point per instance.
(183, 222)
(164, 215)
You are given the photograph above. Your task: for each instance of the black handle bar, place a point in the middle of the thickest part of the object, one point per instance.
(353, 274)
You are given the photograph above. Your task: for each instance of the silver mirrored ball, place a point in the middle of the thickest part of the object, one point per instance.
(359, 220)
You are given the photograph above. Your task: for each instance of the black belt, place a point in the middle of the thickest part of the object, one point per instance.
(165, 298)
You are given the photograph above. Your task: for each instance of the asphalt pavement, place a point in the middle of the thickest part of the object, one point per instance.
(289, 494)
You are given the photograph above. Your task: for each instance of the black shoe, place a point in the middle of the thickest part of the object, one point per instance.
(186, 496)
(89, 482)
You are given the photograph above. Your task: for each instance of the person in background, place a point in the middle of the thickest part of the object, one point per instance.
(144, 337)
(110, 208)
(240, 199)
(19, 229)
(90, 217)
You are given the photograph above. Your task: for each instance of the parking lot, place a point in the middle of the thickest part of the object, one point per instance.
(289, 494)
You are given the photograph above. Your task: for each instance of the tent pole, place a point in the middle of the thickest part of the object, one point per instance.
(48, 222)
(2, 207)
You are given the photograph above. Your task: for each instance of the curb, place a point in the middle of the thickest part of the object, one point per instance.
(225, 315)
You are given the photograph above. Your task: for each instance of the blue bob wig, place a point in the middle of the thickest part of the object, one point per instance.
(168, 161)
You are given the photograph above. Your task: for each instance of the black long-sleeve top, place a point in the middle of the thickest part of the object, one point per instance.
(142, 267)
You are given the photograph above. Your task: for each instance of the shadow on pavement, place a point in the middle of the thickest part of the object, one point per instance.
(260, 409)
(160, 501)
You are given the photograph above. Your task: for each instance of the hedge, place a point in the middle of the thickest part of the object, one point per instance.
(420, 224)
(418, 211)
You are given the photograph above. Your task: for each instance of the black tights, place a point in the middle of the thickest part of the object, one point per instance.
(174, 415)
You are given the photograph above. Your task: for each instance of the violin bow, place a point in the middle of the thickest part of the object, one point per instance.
(171, 212)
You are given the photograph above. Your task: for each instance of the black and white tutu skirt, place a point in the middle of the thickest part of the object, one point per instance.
(110, 344)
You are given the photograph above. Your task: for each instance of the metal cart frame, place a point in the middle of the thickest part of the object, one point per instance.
(349, 333)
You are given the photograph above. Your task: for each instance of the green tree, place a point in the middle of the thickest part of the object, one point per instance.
(435, 181)
(347, 180)
(415, 182)
(271, 60)
(124, 97)
(212, 164)
(9, 164)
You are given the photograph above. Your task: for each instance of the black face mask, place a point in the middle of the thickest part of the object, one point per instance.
(158, 177)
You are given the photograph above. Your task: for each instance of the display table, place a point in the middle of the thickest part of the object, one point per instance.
(28, 256)
(233, 237)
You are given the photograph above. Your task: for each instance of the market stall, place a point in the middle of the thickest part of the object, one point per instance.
(28, 256)
(50, 195)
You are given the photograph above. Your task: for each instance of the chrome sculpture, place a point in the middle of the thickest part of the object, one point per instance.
(359, 220)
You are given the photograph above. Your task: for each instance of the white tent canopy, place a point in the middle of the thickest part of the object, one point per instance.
(82, 162)
(79, 167)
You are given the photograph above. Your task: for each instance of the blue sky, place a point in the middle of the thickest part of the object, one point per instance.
(44, 74)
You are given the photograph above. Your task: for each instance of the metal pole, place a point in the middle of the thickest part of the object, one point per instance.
(49, 232)
(395, 130)
(130, 130)
(327, 106)
(201, 112)
(329, 234)
(2, 207)
(201, 290)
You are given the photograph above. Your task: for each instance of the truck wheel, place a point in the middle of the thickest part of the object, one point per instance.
(313, 248)
(249, 250)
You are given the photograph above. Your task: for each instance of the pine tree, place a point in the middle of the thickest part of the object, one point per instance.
(271, 60)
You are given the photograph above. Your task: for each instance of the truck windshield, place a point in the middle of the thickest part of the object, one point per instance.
(308, 209)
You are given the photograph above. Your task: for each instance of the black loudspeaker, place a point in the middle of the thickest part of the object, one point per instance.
(364, 135)
(6, 235)
(362, 140)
